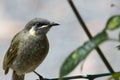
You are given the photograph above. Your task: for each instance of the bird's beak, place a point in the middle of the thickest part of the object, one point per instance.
(54, 24)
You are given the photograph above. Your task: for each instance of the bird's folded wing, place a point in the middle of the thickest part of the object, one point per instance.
(11, 54)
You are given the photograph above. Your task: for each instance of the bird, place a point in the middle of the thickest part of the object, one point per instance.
(28, 48)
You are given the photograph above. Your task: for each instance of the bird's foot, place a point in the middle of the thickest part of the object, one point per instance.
(40, 77)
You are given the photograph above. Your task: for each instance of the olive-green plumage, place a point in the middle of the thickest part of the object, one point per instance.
(28, 48)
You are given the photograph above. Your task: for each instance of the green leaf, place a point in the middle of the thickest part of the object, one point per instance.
(115, 76)
(113, 23)
(81, 53)
(118, 47)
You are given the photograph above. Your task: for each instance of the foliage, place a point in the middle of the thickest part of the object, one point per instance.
(83, 51)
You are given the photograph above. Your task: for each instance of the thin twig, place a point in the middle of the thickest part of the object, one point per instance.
(90, 77)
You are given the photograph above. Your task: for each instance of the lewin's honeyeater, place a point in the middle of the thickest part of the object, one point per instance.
(28, 48)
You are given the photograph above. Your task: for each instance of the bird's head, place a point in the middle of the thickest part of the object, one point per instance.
(37, 26)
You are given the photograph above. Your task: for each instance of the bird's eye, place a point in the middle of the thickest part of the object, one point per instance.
(38, 24)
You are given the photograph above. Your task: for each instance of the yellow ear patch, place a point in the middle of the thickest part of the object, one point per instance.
(32, 32)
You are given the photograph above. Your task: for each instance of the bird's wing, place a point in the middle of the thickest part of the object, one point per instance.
(11, 54)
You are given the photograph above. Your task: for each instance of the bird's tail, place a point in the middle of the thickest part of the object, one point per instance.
(17, 77)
